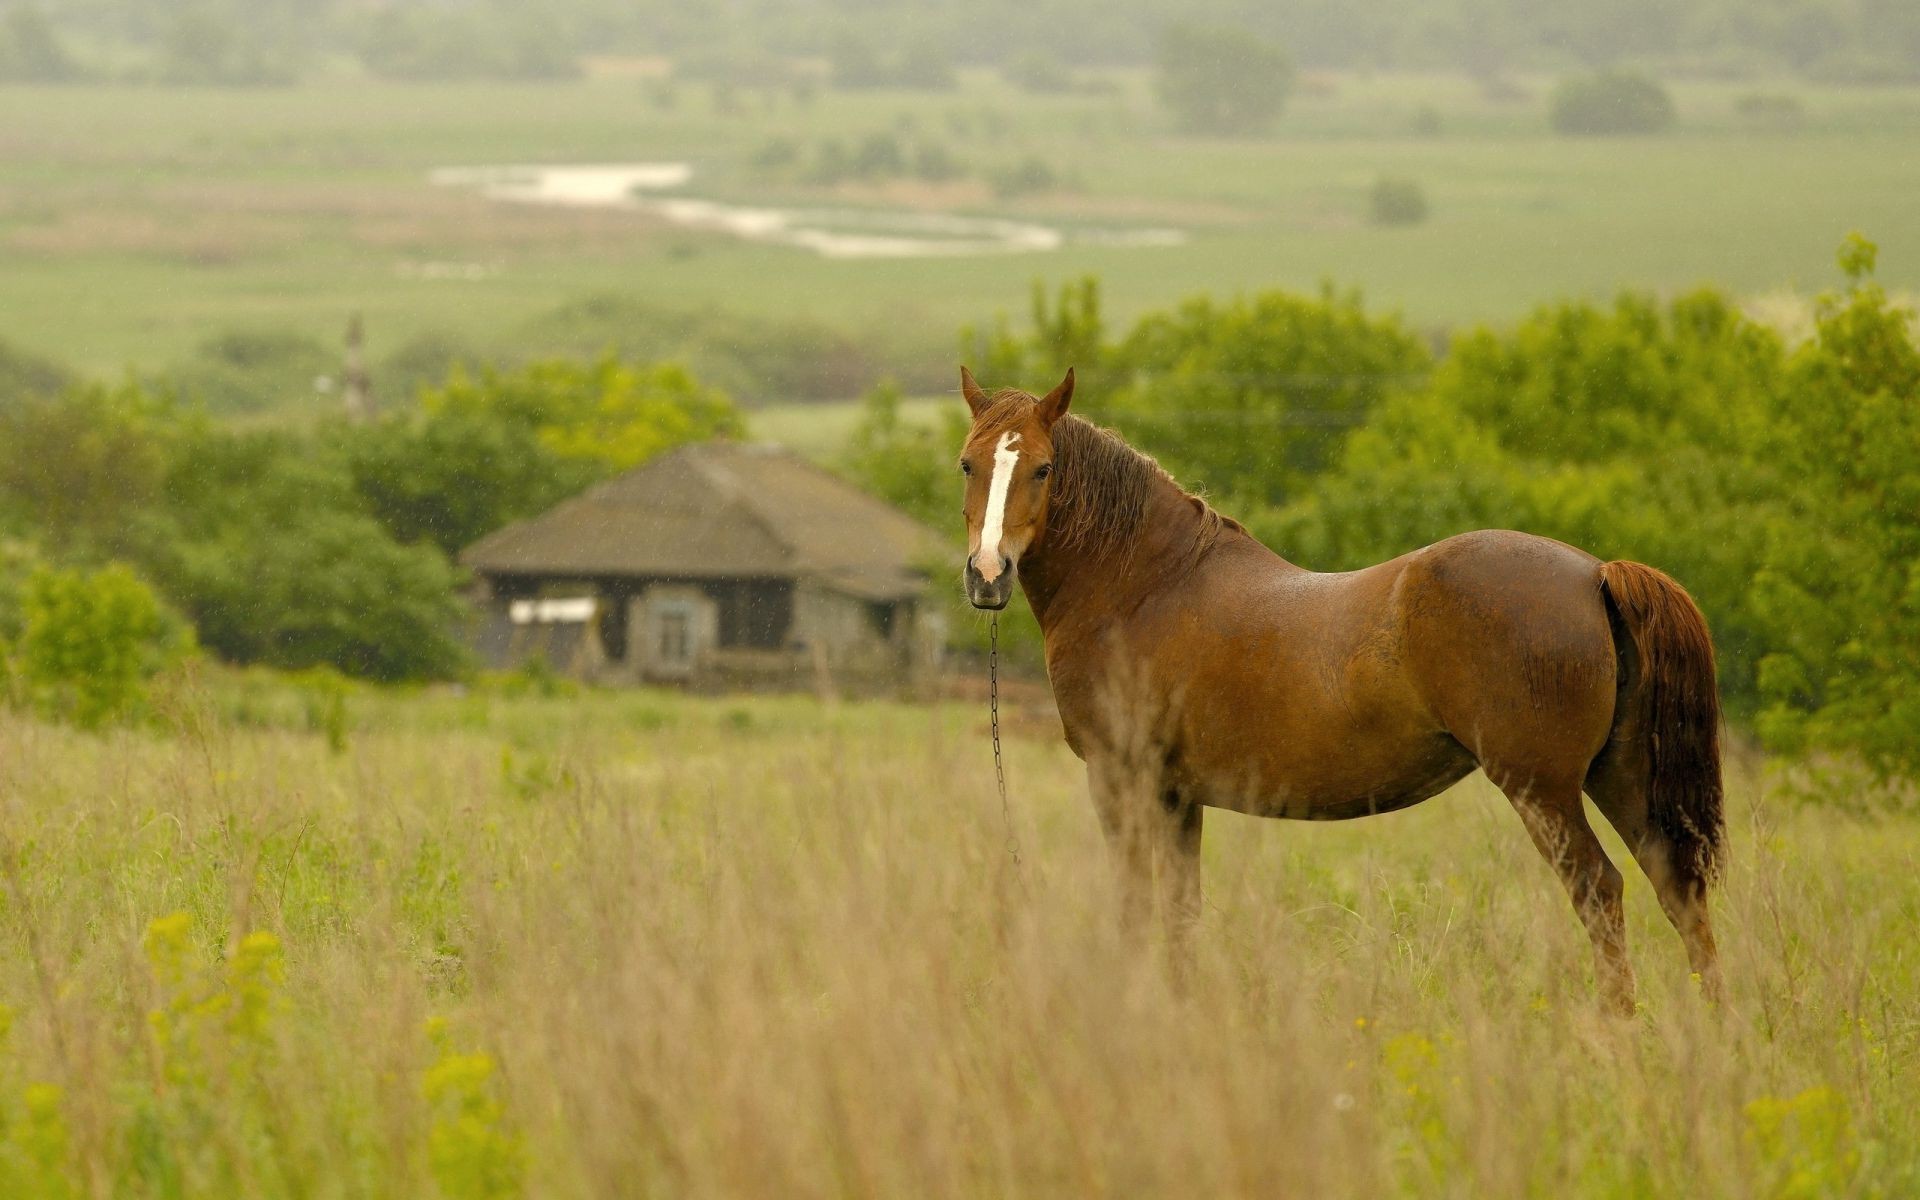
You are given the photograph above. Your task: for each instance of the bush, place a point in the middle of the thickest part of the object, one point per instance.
(89, 641)
(1396, 201)
(1216, 79)
(1611, 102)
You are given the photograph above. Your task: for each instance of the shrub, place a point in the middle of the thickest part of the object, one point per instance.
(1396, 201)
(1217, 79)
(1611, 102)
(90, 641)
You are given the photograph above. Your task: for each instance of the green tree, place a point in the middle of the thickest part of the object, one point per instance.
(610, 414)
(266, 545)
(1252, 397)
(76, 466)
(1218, 79)
(1838, 591)
(484, 451)
(909, 465)
(1611, 102)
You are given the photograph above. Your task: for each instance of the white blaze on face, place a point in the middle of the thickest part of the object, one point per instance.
(1004, 458)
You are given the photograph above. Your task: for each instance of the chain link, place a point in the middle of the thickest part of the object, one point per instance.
(993, 711)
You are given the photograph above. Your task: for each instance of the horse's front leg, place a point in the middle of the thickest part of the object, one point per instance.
(1153, 836)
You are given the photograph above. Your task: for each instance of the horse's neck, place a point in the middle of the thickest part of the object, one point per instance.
(1096, 581)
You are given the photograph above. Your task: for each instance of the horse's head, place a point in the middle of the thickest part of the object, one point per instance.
(1007, 461)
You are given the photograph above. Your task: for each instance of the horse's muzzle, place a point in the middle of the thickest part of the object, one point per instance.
(994, 595)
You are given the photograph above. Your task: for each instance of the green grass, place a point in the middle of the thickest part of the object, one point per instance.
(640, 943)
(135, 222)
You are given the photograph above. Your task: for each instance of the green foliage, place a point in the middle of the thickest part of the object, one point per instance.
(1252, 397)
(448, 476)
(1396, 200)
(483, 451)
(89, 642)
(266, 545)
(1838, 592)
(74, 465)
(1611, 102)
(909, 466)
(1067, 332)
(1220, 79)
(607, 415)
(326, 586)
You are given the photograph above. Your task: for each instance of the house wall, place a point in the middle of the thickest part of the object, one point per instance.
(770, 633)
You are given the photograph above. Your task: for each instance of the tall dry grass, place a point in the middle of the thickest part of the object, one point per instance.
(644, 946)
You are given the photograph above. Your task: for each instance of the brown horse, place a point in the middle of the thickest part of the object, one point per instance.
(1195, 668)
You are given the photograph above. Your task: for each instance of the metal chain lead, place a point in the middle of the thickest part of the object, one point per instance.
(993, 711)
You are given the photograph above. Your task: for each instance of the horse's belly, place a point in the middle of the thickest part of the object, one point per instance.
(1359, 781)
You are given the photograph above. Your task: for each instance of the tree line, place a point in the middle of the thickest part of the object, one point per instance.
(919, 44)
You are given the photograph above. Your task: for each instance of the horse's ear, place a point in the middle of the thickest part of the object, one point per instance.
(1053, 405)
(977, 400)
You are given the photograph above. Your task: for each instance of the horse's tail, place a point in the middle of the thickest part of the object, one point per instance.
(1680, 707)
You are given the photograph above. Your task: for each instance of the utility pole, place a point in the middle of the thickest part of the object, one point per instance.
(357, 392)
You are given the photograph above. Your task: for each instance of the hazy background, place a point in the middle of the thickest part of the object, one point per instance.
(171, 175)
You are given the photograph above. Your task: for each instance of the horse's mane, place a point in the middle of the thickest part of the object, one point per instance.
(1100, 484)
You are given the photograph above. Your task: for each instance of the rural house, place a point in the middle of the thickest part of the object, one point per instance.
(719, 564)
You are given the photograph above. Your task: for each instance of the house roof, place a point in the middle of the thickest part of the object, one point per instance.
(722, 510)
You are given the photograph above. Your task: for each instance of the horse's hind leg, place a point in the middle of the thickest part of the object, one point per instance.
(1557, 821)
(1618, 788)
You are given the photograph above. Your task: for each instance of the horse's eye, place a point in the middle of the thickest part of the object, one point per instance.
(966, 468)
(1045, 470)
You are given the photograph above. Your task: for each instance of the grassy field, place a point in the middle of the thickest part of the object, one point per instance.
(640, 944)
(134, 223)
